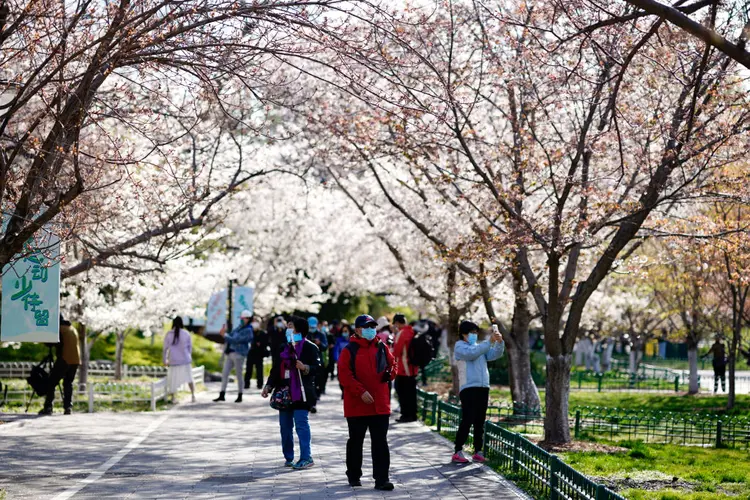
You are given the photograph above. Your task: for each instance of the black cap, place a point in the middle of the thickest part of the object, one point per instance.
(467, 327)
(400, 319)
(364, 320)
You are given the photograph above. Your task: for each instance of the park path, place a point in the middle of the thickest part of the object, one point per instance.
(221, 451)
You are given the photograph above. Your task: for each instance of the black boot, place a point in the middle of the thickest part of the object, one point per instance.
(239, 398)
(220, 398)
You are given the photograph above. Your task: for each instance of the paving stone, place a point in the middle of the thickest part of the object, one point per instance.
(224, 451)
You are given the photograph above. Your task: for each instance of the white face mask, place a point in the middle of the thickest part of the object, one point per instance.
(255, 325)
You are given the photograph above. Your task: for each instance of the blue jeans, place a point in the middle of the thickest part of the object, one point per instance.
(288, 420)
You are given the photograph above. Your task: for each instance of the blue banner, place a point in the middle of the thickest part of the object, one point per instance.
(31, 293)
(242, 298)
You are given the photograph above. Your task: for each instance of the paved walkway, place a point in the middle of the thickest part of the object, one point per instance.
(221, 451)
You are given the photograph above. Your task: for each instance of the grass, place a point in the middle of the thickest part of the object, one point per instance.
(647, 401)
(668, 472)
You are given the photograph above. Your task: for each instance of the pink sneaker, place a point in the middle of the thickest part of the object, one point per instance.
(459, 458)
(479, 457)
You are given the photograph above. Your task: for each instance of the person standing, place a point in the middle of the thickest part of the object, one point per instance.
(68, 358)
(474, 386)
(321, 342)
(258, 352)
(365, 367)
(294, 371)
(406, 379)
(719, 352)
(177, 356)
(237, 346)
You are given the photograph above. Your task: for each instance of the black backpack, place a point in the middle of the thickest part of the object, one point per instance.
(381, 359)
(39, 378)
(421, 350)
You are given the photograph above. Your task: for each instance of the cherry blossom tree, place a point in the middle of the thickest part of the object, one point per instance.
(98, 94)
(570, 151)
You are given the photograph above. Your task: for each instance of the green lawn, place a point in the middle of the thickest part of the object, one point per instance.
(138, 351)
(666, 472)
(646, 401)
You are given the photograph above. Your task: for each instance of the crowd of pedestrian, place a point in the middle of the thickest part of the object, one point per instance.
(369, 358)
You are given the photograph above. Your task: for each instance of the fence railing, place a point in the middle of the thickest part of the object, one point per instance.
(623, 381)
(662, 427)
(112, 392)
(22, 369)
(542, 472)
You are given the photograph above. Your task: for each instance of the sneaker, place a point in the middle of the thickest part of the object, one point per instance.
(303, 464)
(355, 482)
(194, 400)
(386, 486)
(459, 458)
(313, 410)
(68, 411)
(45, 411)
(479, 457)
(289, 463)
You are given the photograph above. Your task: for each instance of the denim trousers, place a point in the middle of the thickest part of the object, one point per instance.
(288, 420)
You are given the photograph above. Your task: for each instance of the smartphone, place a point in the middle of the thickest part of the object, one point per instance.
(495, 329)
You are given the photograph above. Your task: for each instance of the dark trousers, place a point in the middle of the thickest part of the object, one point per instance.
(406, 389)
(473, 412)
(67, 373)
(321, 379)
(258, 364)
(381, 456)
(720, 373)
(331, 366)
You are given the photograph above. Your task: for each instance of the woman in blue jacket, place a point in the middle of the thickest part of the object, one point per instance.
(474, 385)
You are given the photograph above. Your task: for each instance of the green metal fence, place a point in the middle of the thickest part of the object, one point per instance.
(542, 472)
(657, 380)
(662, 427)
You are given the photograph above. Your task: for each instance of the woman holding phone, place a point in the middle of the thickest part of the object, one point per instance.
(474, 385)
(292, 384)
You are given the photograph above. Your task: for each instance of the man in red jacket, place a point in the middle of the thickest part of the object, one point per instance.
(406, 380)
(366, 366)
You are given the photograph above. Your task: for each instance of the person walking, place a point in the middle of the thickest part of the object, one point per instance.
(68, 359)
(258, 352)
(177, 356)
(719, 352)
(237, 346)
(365, 367)
(406, 379)
(474, 385)
(292, 384)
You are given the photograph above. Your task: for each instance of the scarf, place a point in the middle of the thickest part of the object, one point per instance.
(289, 357)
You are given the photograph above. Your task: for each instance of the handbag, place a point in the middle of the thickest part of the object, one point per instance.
(281, 399)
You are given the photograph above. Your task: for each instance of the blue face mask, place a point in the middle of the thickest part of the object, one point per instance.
(298, 337)
(368, 333)
(472, 338)
(289, 335)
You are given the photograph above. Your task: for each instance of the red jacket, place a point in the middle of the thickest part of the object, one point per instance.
(367, 379)
(401, 350)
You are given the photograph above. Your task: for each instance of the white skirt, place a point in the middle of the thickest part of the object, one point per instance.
(178, 375)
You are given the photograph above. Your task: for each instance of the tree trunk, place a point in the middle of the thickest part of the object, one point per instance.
(522, 387)
(119, 348)
(693, 387)
(556, 427)
(732, 360)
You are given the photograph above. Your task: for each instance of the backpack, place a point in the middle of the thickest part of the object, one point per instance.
(421, 350)
(381, 359)
(39, 379)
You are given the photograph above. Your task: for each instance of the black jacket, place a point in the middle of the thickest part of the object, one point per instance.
(311, 357)
(259, 346)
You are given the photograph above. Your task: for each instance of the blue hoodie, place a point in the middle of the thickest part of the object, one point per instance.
(239, 339)
(471, 361)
